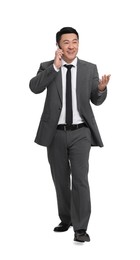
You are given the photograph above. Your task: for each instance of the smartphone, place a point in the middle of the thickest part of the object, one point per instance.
(59, 48)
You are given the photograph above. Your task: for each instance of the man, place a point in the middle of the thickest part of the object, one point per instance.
(68, 128)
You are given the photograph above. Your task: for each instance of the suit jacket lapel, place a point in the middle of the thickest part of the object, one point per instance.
(79, 81)
(59, 85)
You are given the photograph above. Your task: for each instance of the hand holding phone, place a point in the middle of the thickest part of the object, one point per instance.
(58, 58)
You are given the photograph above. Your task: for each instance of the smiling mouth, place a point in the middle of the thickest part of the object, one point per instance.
(70, 52)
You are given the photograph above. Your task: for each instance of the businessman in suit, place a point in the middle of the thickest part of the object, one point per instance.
(68, 128)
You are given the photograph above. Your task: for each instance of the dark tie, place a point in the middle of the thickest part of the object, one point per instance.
(69, 114)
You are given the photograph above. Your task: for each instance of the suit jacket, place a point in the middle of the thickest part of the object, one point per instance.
(86, 90)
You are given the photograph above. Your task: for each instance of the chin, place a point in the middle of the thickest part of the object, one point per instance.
(71, 57)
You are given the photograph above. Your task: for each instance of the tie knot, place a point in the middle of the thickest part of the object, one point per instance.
(68, 66)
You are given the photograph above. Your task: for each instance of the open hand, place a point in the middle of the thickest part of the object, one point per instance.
(103, 82)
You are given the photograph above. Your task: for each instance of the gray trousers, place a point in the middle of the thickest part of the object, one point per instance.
(68, 155)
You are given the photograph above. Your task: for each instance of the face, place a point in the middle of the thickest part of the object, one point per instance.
(69, 44)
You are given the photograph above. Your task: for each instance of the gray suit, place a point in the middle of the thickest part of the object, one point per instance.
(68, 151)
(87, 84)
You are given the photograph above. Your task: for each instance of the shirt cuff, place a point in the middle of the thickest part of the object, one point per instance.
(101, 92)
(55, 68)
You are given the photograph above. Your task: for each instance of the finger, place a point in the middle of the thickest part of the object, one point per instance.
(59, 55)
(104, 79)
(60, 51)
(108, 78)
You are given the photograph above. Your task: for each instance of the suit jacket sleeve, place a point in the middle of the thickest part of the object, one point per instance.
(45, 75)
(97, 97)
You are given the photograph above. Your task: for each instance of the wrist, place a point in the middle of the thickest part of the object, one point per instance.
(101, 90)
(55, 67)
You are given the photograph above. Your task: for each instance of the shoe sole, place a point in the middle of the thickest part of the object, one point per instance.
(76, 240)
(81, 241)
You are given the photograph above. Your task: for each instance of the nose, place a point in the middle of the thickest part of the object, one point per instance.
(70, 45)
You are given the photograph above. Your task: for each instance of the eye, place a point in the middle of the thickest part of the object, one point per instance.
(66, 42)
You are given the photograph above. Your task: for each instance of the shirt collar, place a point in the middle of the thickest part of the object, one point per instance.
(74, 63)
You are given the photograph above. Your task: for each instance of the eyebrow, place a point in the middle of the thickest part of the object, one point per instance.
(69, 40)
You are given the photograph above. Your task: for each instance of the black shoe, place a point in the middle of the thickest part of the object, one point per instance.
(81, 236)
(62, 227)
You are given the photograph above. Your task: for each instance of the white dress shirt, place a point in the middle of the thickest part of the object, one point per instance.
(76, 116)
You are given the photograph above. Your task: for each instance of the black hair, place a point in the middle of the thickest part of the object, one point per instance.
(65, 30)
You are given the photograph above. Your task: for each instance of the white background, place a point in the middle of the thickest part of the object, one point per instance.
(109, 37)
